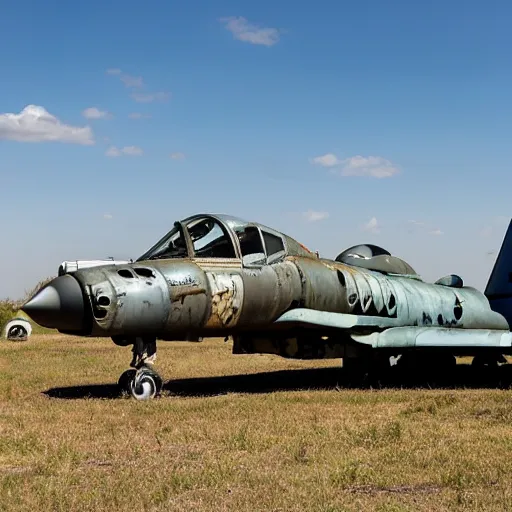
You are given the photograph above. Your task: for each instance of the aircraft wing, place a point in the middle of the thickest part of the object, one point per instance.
(389, 333)
(303, 317)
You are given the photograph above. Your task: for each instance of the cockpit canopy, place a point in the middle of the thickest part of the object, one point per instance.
(222, 236)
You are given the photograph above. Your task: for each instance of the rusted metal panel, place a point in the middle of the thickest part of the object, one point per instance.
(321, 288)
(181, 295)
(289, 287)
(269, 291)
(260, 290)
(124, 302)
(409, 301)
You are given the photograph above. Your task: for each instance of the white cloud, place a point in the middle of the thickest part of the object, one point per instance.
(178, 156)
(374, 166)
(36, 124)
(95, 113)
(132, 81)
(372, 226)
(327, 160)
(107, 216)
(135, 82)
(424, 226)
(314, 216)
(132, 150)
(149, 97)
(249, 33)
(114, 151)
(138, 115)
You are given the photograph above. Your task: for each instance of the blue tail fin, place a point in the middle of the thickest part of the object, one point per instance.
(499, 287)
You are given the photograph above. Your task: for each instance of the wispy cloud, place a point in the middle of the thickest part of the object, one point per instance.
(250, 33)
(132, 82)
(424, 226)
(315, 216)
(95, 113)
(149, 97)
(138, 115)
(373, 166)
(36, 124)
(417, 223)
(107, 216)
(114, 151)
(137, 83)
(372, 226)
(178, 156)
(327, 160)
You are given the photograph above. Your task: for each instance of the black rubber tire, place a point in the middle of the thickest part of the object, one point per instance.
(21, 335)
(126, 379)
(144, 386)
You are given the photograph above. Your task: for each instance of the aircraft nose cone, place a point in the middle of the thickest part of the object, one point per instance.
(58, 305)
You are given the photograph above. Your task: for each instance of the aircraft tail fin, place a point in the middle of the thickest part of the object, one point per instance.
(499, 287)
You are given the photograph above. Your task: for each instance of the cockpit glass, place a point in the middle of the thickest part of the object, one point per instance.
(210, 240)
(171, 246)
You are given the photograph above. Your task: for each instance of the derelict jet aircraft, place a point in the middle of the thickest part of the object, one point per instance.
(216, 275)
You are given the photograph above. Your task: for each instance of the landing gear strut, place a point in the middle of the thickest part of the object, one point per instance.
(141, 380)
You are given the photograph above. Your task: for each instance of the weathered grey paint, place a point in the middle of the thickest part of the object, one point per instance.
(328, 300)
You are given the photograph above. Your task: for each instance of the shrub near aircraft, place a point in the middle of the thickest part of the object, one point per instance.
(216, 275)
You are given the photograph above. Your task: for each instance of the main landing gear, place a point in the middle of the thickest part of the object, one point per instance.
(141, 380)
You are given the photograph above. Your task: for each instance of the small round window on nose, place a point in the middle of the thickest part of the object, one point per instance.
(103, 301)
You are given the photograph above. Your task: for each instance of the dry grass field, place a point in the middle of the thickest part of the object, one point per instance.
(240, 433)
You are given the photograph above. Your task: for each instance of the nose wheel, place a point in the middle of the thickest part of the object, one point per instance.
(142, 384)
(141, 381)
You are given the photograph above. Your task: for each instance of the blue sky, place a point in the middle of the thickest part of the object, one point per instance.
(336, 122)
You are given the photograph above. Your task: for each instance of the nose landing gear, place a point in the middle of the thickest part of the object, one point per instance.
(141, 381)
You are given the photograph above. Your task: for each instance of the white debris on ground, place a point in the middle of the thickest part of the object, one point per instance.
(18, 329)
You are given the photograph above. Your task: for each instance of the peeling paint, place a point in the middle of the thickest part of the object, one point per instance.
(184, 296)
(226, 299)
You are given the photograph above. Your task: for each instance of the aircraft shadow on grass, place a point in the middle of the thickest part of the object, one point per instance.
(464, 376)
